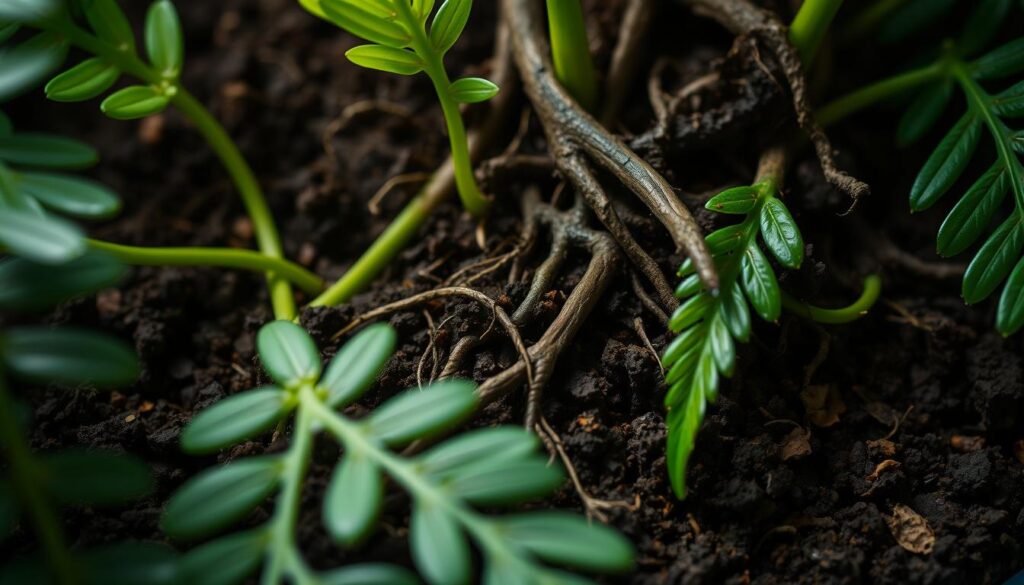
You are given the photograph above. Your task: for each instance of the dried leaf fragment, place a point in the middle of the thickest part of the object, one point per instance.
(911, 530)
(823, 404)
(966, 443)
(797, 444)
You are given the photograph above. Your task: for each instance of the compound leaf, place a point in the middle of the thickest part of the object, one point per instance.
(422, 413)
(972, 214)
(946, 164)
(84, 81)
(165, 43)
(357, 364)
(353, 498)
(439, 547)
(994, 260)
(218, 497)
(75, 196)
(568, 539)
(133, 102)
(383, 58)
(68, 356)
(236, 419)
(289, 354)
(448, 23)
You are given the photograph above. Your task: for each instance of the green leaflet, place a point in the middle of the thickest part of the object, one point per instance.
(914, 16)
(946, 164)
(135, 101)
(84, 81)
(759, 283)
(781, 234)
(68, 356)
(26, 65)
(130, 563)
(570, 540)
(738, 200)
(1001, 62)
(1010, 315)
(358, 364)
(448, 23)
(110, 23)
(225, 561)
(422, 413)
(994, 260)
(289, 354)
(45, 240)
(971, 215)
(46, 151)
(369, 574)
(371, 25)
(236, 419)
(505, 482)
(165, 44)
(28, 10)
(71, 195)
(471, 90)
(439, 546)
(385, 58)
(480, 446)
(353, 498)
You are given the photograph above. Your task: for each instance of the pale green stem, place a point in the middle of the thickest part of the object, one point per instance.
(219, 257)
(570, 51)
(810, 25)
(856, 310)
(879, 91)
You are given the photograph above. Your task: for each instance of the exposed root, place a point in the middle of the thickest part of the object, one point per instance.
(743, 19)
(570, 130)
(638, 326)
(593, 507)
(645, 300)
(636, 23)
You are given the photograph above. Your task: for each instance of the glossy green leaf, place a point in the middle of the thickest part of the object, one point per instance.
(84, 81)
(369, 574)
(134, 101)
(471, 90)
(736, 313)
(314, 8)
(971, 215)
(236, 419)
(689, 286)
(422, 413)
(722, 347)
(683, 342)
(29, 286)
(1010, 103)
(781, 234)
(728, 239)
(288, 353)
(923, 112)
(362, 22)
(165, 43)
(705, 378)
(1005, 61)
(1010, 315)
(28, 10)
(130, 563)
(682, 369)
(946, 164)
(422, 9)
(683, 424)
(353, 499)
(567, 539)
(690, 312)
(994, 260)
(385, 58)
(110, 23)
(28, 64)
(448, 23)
(357, 364)
(983, 24)
(225, 561)
(68, 357)
(439, 547)
(71, 195)
(46, 151)
(505, 482)
(493, 444)
(737, 201)
(218, 497)
(97, 478)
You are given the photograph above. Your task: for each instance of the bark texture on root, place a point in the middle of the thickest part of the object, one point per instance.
(571, 130)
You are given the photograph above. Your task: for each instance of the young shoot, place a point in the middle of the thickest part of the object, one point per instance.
(403, 44)
(486, 467)
(570, 51)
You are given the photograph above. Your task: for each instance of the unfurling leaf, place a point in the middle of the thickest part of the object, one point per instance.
(289, 354)
(165, 43)
(385, 58)
(357, 364)
(236, 419)
(136, 101)
(68, 356)
(471, 90)
(84, 81)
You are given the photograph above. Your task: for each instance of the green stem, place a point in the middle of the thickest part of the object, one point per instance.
(248, 188)
(570, 51)
(979, 101)
(472, 199)
(878, 91)
(859, 308)
(220, 257)
(283, 560)
(485, 533)
(26, 484)
(376, 258)
(810, 25)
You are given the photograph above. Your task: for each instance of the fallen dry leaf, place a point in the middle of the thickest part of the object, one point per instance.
(823, 404)
(882, 468)
(797, 444)
(966, 444)
(911, 530)
(884, 446)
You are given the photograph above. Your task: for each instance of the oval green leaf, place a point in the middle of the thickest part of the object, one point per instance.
(736, 312)
(29, 286)
(218, 497)
(567, 539)
(26, 65)
(758, 280)
(84, 81)
(781, 234)
(165, 44)
(46, 240)
(471, 90)
(357, 364)
(946, 163)
(28, 10)
(369, 574)
(446, 28)
(360, 19)
(289, 354)
(110, 23)
(737, 201)
(46, 151)
(236, 419)
(505, 482)
(418, 414)
(353, 499)
(69, 357)
(130, 563)
(136, 101)
(690, 312)
(71, 195)
(225, 561)
(479, 446)
(439, 547)
(722, 347)
(385, 58)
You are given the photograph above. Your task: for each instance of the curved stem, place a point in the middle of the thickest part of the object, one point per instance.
(248, 188)
(23, 476)
(220, 257)
(856, 310)
(810, 25)
(878, 91)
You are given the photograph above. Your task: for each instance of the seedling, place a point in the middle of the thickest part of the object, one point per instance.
(570, 51)
(487, 467)
(34, 485)
(404, 45)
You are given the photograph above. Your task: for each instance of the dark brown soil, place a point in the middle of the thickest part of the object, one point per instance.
(931, 397)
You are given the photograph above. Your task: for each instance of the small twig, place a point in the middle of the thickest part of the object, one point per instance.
(638, 326)
(374, 204)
